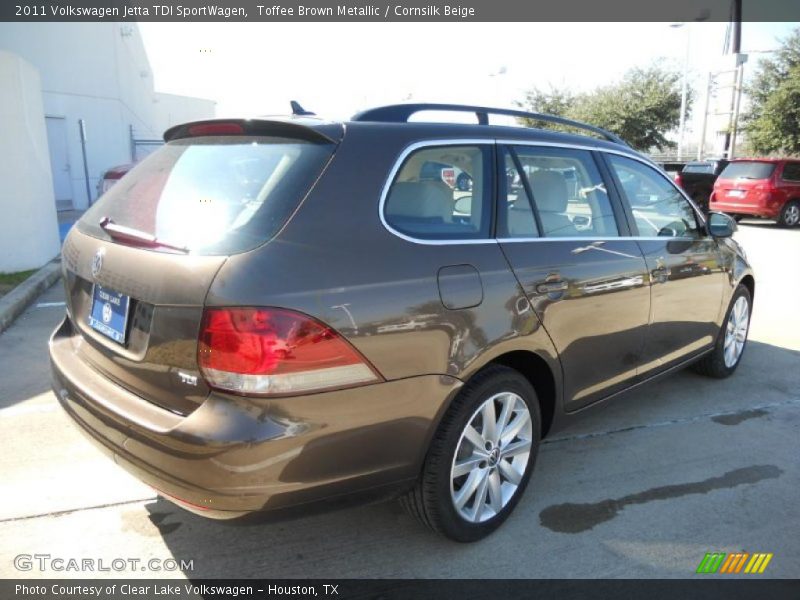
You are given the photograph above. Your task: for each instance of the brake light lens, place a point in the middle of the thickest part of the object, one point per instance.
(678, 180)
(276, 352)
(216, 129)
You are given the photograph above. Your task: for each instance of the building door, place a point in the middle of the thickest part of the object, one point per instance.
(59, 161)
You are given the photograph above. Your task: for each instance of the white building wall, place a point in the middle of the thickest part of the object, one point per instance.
(172, 110)
(97, 72)
(29, 228)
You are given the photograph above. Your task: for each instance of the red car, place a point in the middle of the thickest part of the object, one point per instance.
(760, 187)
(111, 177)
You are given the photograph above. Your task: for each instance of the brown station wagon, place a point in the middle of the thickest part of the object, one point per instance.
(276, 314)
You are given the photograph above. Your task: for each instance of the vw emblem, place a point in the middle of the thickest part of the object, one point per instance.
(97, 262)
(494, 457)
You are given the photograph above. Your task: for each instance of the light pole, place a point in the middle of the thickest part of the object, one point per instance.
(684, 88)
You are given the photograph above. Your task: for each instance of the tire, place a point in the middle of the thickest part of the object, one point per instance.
(433, 499)
(790, 214)
(715, 364)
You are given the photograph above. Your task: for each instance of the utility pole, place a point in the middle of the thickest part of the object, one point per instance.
(701, 147)
(684, 88)
(736, 48)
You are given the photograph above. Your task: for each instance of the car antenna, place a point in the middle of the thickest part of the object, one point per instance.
(299, 110)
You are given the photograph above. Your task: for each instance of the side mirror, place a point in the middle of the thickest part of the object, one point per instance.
(721, 225)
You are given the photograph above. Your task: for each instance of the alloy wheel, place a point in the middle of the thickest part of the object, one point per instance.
(491, 457)
(736, 331)
(792, 216)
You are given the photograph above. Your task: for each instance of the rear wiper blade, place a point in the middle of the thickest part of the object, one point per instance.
(134, 236)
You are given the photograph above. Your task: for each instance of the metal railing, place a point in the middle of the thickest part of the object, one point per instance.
(141, 147)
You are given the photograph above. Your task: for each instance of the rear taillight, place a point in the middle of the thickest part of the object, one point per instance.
(276, 352)
(678, 180)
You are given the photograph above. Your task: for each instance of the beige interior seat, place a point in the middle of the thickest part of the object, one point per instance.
(420, 200)
(550, 194)
(521, 222)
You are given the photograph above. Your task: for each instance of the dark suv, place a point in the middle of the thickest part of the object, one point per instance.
(697, 179)
(269, 314)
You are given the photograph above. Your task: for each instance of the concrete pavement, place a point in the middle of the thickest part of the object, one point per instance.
(642, 487)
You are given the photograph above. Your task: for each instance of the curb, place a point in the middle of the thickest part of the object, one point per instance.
(17, 300)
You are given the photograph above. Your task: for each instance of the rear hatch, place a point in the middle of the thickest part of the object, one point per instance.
(139, 263)
(744, 182)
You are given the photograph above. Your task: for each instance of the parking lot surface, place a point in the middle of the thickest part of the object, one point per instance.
(643, 486)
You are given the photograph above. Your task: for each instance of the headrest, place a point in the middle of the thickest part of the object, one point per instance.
(549, 191)
(420, 199)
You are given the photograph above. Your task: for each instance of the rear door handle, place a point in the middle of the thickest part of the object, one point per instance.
(552, 287)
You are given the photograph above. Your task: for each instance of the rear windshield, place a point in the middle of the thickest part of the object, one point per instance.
(748, 170)
(699, 168)
(212, 195)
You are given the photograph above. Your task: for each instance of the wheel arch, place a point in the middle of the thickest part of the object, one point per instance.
(538, 372)
(749, 282)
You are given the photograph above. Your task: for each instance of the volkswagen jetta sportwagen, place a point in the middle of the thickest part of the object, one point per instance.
(272, 313)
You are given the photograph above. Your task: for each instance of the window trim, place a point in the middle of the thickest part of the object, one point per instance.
(634, 226)
(617, 206)
(401, 159)
(633, 156)
(455, 141)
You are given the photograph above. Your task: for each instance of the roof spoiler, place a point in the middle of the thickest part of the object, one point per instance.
(400, 113)
(272, 127)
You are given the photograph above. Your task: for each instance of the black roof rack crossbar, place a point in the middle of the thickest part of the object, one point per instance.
(400, 113)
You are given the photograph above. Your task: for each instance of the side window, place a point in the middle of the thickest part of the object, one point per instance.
(442, 193)
(515, 215)
(569, 194)
(791, 172)
(659, 209)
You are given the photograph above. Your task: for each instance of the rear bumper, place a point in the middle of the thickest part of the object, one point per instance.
(767, 210)
(234, 456)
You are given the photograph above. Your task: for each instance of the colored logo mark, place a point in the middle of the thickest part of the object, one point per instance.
(736, 562)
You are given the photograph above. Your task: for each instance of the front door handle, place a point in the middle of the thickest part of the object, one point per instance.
(552, 287)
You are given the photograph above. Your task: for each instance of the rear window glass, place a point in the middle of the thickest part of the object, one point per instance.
(699, 168)
(748, 170)
(442, 193)
(212, 195)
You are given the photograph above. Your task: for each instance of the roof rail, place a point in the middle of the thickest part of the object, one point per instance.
(400, 113)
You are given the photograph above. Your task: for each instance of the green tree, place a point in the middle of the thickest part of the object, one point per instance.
(772, 122)
(641, 108)
(555, 101)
